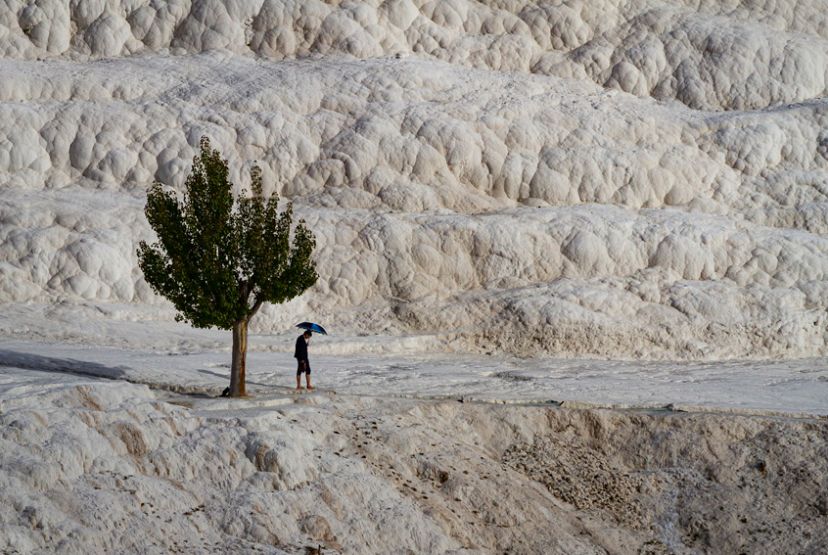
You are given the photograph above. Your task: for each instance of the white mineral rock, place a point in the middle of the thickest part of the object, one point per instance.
(90, 466)
(464, 166)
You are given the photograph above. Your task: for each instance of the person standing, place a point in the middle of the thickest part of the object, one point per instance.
(301, 355)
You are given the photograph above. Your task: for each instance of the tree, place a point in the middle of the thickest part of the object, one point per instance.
(218, 259)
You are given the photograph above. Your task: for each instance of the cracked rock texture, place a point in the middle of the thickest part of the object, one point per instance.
(638, 179)
(90, 466)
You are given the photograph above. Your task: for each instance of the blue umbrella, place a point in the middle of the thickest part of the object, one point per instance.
(312, 327)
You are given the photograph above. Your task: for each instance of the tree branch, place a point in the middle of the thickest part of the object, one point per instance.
(244, 291)
(256, 306)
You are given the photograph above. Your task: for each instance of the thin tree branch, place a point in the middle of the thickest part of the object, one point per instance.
(256, 306)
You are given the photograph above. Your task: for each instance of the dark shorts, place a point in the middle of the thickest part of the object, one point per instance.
(303, 367)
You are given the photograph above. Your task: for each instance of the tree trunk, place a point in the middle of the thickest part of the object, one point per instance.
(237, 369)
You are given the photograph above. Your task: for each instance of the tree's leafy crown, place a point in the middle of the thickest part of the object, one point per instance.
(217, 260)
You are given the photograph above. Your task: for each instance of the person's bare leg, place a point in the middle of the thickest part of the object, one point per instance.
(307, 381)
(298, 381)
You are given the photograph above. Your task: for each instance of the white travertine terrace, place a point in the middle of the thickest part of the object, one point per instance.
(466, 167)
(708, 54)
(92, 466)
(645, 179)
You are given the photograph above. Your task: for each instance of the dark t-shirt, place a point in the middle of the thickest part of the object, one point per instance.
(301, 352)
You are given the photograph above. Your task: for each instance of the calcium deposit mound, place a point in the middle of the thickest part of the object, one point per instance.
(103, 467)
(637, 179)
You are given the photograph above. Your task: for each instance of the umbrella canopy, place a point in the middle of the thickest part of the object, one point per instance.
(312, 327)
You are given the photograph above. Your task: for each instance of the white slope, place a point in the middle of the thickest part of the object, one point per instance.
(625, 180)
(467, 167)
(91, 466)
(531, 214)
(734, 54)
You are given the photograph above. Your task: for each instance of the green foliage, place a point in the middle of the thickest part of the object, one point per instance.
(217, 260)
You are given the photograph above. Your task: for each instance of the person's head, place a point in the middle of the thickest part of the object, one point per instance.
(307, 334)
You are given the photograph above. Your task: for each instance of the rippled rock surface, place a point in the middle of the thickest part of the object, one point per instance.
(569, 178)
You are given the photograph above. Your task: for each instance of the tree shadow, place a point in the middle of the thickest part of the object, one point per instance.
(40, 363)
(29, 361)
